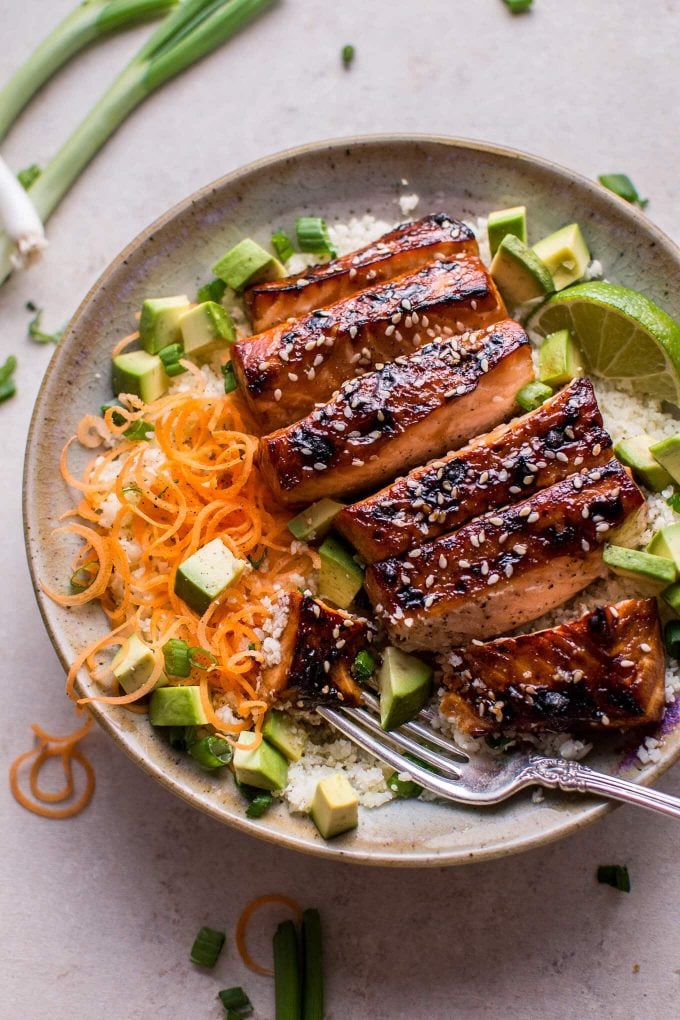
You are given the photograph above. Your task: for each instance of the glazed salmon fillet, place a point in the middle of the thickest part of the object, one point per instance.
(286, 371)
(604, 671)
(507, 567)
(403, 250)
(318, 648)
(529, 453)
(400, 415)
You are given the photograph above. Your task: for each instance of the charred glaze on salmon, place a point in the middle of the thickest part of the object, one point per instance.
(604, 671)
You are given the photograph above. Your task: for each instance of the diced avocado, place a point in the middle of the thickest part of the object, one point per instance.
(635, 454)
(264, 767)
(177, 706)
(205, 329)
(335, 806)
(671, 597)
(247, 263)
(204, 576)
(506, 221)
(566, 255)
(133, 664)
(666, 542)
(159, 322)
(340, 576)
(519, 273)
(315, 522)
(559, 359)
(533, 395)
(667, 453)
(140, 373)
(640, 565)
(285, 735)
(405, 684)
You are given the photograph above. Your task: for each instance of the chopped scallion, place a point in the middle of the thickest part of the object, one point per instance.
(195, 655)
(671, 636)
(211, 752)
(207, 947)
(259, 804)
(347, 54)
(615, 875)
(286, 973)
(517, 6)
(177, 658)
(37, 334)
(230, 381)
(28, 175)
(403, 788)
(170, 356)
(236, 1000)
(7, 384)
(312, 236)
(257, 563)
(82, 578)
(312, 963)
(673, 502)
(622, 186)
(213, 291)
(533, 395)
(139, 430)
(363, 666)
(282, 245)
(178, 736)
(116, 417)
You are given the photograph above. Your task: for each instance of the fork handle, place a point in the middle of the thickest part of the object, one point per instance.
(571, 776)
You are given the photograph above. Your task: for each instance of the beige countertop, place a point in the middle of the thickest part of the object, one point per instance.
(97, 914)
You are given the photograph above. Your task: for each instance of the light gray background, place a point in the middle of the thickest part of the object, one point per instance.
(97, 914)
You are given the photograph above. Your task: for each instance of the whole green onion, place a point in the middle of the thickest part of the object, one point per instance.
(192, 30)
(615, 875)
(282, 245)
(312, 236)
(207, 947)
(312, 955)
(287, 996)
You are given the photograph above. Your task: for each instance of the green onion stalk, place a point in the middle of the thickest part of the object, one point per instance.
(91, 20)
(188, 33)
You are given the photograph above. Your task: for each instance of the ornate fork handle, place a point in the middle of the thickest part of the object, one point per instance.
(573, 777)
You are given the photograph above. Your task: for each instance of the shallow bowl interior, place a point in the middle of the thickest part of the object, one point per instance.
(339, 180)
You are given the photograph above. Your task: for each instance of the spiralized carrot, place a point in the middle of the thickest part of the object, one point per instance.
(40, 800)
(244, 920)
(147, 506)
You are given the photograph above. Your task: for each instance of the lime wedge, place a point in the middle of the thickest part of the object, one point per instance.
(621, 334)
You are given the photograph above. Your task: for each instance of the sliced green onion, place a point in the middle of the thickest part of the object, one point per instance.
(533, 395)
(257, 563)
(286, 973)
(82, 578)
(230, 381)
(312, 956)
(213, 291)
(363, 666)
(312, 236)
(178, 737)
(347, 54)
(7, 384)
(170, 356)
(28, 175)
(282, 245)
(207, 947)
(140, 430)
(674, 502)
(116, 417)
(403, 788)
(195, 654)
(37, 334)
(615, 875)
(236, 1000)
(177, 658)
(671, 636)
(517, 6)
(211, 752)
(260, 803)
(622, 186)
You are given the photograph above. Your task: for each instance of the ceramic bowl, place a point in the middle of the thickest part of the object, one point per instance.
(337, 179)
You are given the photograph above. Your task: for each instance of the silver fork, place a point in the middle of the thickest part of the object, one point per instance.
(481, 779)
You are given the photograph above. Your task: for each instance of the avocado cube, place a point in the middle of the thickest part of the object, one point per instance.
(204, 576)
(405, 684)
(139, 373)
(264, 767)
(247, 263)
(667, 453)
(284, 734)
(533, 395)
(559, 359)
(519, 273)
(340, 576)
(671, 597)
(133, 664)
(205, 329)
(666, 542)
(635, 454)
(177, 706)
(502, 222)
(643, 566)
(566, 255)
(335, 806)
(159, 322)
(315, 522)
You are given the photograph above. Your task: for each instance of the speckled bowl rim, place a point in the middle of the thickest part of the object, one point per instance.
(592, 809)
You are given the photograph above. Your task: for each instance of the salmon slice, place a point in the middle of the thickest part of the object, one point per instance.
(284, 373)
(402, 250)
(318, 648)
(604, 671)
(400, 415)
(506, 567)
(529, 453)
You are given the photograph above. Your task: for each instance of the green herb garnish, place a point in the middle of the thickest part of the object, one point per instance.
(622, 186)
(517, 6)
(282, 245)
(7, 385)
(207, 947)
(260, 803)
(213, 291)
(347, 53)
(363, 666)
(139, 430)
(230, 381)
(28, 175)
(615, 875)
(37, 334)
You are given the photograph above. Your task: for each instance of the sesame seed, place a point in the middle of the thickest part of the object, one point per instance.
(475, 541)
(509, 570)
(443, 562)
(283, 354)
(578, 483)
(493, 579)
(319, 466)
(524, 511)
(316, 609)
(484, 568)
(627, 663)
(514, 489)
(339, 426)
(484, 363)
(464, 564)
(614, 612)
(415, 553)
(277, 394)
(263, 366)
(585, 513)
(405, 579)
(406, 305)
(318, 360)
(310, 345)
(562, 457)
(484, 477)
(429, 601)
(577, 461)
(503, 537)
(326, 666)
(520, 550)
(352, 273)
(292, 376)
(597, 449)
(532, 518)
(408, 622)
(389, 330)
(585, 545)
(353, 331)
(644, 647)
(602, 527)
(528, 480)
